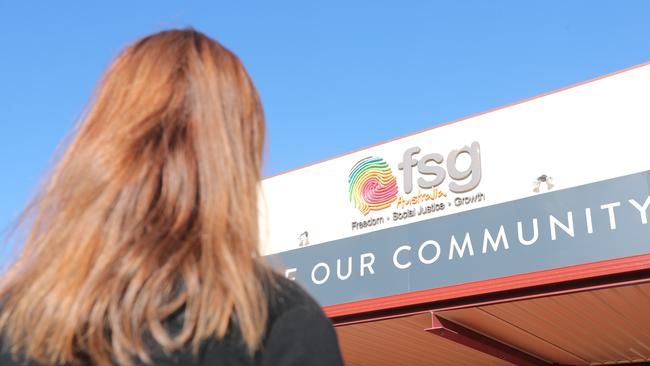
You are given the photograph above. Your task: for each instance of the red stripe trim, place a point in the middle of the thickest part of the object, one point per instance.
(468, 117)
(509, 283)
(491, 299)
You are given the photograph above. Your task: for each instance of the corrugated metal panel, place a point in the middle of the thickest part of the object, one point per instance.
(600, 327)
(403, 342)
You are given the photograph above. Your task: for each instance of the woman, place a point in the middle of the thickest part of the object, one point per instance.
(143, 245)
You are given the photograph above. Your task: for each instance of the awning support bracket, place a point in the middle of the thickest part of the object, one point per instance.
(469, 338)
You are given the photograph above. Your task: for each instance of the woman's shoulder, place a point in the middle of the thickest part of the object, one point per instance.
(298, 331)
(286, 295)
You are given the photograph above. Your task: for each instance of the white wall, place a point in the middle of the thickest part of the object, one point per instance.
(583, 134)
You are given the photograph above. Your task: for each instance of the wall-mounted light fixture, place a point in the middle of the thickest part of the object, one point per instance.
(303, 239)
(543, 179)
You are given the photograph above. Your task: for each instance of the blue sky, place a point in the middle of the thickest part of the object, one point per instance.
(334, 75)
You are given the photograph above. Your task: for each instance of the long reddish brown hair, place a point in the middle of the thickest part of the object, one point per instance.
(151, 211)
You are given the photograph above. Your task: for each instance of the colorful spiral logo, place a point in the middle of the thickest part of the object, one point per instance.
(373, 186)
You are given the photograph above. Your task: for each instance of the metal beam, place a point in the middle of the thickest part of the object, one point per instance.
(469, 338)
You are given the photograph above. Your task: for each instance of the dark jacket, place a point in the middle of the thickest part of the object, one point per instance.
(298, 333)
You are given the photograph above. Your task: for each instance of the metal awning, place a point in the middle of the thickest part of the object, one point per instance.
(596, 327)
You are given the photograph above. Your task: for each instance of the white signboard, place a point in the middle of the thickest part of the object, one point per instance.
(583, 134)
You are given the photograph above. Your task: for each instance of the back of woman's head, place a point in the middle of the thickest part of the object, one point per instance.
(151, 211)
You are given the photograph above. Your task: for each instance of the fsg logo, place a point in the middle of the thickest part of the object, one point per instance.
(432, 173)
